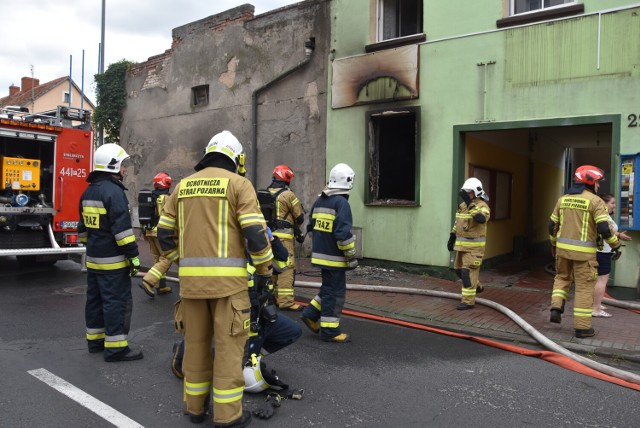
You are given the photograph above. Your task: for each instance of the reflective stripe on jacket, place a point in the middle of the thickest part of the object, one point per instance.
(471, 236)
(105, 225)
(211, 219)
(288, 209)
(331, 222)
(575, 218)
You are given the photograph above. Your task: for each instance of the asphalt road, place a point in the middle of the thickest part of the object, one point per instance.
(388, 376)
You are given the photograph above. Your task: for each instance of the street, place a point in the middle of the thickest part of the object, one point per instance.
(388, 375)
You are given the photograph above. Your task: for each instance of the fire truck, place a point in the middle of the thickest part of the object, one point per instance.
(45, 160)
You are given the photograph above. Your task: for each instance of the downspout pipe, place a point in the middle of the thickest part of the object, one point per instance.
(309, 47)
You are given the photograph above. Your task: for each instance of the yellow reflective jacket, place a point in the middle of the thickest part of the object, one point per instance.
(211, 219)
(471, 236)
(288, 211)
(574, 232)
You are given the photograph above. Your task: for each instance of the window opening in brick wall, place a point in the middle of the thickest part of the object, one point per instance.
(200, 95)
(497, 185)
(393, 154)
(399, 18)
(523, 6)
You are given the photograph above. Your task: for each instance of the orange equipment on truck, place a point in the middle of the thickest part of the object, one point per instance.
(44, 162)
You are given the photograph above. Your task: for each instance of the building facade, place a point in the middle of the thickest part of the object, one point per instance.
(263, 78)
(424, 94)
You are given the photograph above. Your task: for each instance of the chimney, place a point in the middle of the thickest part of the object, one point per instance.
(13, 89)
(28, 83)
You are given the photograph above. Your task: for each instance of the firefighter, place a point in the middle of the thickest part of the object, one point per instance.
(289, 216)
(577, 219)
(207, 219)
(155, 280)
(112, 256)
(333, 251)
(468, 238)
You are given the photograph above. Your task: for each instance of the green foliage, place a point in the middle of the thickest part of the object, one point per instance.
(111, 95)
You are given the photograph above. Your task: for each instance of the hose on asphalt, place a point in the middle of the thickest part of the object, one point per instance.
(535, 334)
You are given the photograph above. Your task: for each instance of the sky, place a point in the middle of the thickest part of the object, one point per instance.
(44, 34)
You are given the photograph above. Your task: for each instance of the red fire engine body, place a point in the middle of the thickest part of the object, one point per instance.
(45, 160)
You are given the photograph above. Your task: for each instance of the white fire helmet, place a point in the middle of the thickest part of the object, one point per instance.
(225, 143)
(108, 158)
(341, 177)
(253, 379)
(474, 185)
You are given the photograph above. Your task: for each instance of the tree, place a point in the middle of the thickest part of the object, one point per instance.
(111, 94)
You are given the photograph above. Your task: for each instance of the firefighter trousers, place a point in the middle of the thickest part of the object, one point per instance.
(328, 303)
(226, 320)
(108, 311)
(584, 273)
(161, 266)
(284, 280)
(467, 267)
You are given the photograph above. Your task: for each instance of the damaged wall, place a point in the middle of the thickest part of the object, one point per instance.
(234, 53)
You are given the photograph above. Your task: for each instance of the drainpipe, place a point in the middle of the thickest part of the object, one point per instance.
(309, 47)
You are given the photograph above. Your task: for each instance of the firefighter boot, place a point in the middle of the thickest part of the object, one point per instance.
(162, 287)
(147, 288)
(341, 338)
(176, 360)
(311, 324)
(556, 314)
(587, 332)
(464, 307)
(242, 421)
(129, 355)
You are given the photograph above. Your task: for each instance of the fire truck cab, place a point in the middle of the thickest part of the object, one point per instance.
(45, 159)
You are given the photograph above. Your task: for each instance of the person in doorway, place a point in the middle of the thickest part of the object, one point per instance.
(604, 257)
(333, 251)
(211, 218)
(112, 256)
(468, 239)
(289, 216)
(154, 281)
(577, 219)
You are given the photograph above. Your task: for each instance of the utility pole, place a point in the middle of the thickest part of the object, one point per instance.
(101, 67)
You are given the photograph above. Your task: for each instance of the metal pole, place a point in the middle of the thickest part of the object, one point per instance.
(82, 84)
(101, 65)
(70, 74)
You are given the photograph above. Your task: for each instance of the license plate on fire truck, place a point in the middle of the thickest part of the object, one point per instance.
(68, 225)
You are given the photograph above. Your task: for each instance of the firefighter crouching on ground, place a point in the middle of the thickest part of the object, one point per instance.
(269, 331)
(468, 238)
(112, 256)
(333, 251)
(289, 217)
(154, 280)
(207, 219)
(577, 219)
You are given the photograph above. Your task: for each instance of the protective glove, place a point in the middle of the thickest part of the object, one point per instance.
(262, 282)
(353, 263)
(616, 254)
(300, 237)
(134, 266)
(451, 242)
(350, 253)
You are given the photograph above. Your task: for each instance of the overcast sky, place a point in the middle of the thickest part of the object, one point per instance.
(45, 33)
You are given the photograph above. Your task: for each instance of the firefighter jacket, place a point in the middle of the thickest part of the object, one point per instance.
(471, 235)
(574, 226)
(206, 220)
(289, 211)
(331, 222)
(159, 196)
(105, 224)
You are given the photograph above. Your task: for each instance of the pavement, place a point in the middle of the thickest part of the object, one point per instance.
(524, 287)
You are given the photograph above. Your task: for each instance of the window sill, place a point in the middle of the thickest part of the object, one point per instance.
(391, 203)
(543, 15)
(394, 43)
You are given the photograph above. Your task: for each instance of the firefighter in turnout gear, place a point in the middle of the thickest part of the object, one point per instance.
(289, 216)
(211, 218)
(468, 238)
(154, 280)
(112, 256)
(577, 219)
(333, 251)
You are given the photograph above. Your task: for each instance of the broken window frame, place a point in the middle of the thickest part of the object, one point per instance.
(374, 121)
(200, 95)
(395, 24)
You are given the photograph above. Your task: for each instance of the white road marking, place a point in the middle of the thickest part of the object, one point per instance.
(96, 406)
